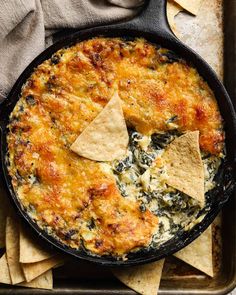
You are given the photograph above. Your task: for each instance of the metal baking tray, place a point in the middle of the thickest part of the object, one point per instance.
(178, 278)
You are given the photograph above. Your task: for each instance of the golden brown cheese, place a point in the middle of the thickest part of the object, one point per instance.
(71, 197)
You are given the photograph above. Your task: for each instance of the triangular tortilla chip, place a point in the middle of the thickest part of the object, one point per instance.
(33, 270)
(45, 281)
(30, 251)
(106, 137)
(12, 250)
(199, 253)
(144, 279)
(172, 10)
(190, 5)
(184, 166)
(4, 209)
(4, 273)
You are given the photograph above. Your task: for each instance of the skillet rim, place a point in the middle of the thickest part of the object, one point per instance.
(13, 98)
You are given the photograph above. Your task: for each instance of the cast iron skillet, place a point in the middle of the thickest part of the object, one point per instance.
(151, 24)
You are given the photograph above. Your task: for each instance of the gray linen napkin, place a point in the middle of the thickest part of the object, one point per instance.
(25, 24)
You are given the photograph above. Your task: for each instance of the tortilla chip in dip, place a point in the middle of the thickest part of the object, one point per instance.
(184, 166)
(191, 6)
(30, 251)
(106, 137)
(199, 253)
(12, 251)
(144, 279)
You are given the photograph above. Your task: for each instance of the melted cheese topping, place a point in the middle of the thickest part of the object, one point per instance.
(75, 199)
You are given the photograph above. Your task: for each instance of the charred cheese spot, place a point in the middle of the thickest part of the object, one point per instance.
(65, 193)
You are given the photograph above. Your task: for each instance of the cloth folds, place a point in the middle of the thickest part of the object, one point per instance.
(25, 26)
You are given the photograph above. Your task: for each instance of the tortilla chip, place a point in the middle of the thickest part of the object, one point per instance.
(106, 137)
(12, 250)
(33, 270)
(30, 251)
(199, 253)
(191, 6)
(144, 279)
(4, 209)
(172, 10)
(4, 273)
(184, 166)
(45, 281)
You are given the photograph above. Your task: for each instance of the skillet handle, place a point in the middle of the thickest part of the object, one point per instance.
(152, 18)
